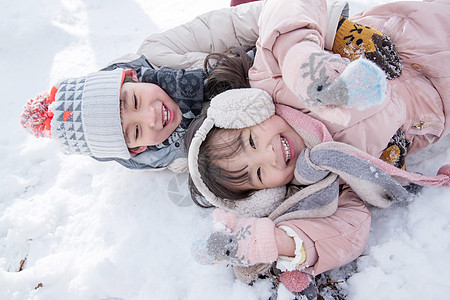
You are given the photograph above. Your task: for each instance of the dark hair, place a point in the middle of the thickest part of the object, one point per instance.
(219, 181)
(225, 72)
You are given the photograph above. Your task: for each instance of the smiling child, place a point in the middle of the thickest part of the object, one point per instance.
(241, 156)
(266, 153)
(149, 116)
(136, 117)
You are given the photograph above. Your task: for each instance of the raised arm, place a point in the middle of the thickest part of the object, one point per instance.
(291, 50)
(187, 45)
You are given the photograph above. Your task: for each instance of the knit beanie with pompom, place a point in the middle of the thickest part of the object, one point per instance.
(82, 115)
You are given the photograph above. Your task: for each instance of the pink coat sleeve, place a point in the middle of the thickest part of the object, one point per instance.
(336, 240)
(281, 18)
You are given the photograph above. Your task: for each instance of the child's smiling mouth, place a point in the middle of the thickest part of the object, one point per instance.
(287, 149)
(166, 115)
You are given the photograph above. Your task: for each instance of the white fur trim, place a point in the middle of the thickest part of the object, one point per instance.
(241, 108)
(286, 263)
(261, 203)
(194, 149)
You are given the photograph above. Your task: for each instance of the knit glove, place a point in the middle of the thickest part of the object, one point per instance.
(300, 282)
(237, 241)
(353, 40)
(361, 85)
(396, 150)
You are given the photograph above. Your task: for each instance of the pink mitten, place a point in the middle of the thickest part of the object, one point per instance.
(300, 282)
(239, 241)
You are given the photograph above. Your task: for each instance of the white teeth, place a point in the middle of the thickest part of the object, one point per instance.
(287, 149)
(166, 115)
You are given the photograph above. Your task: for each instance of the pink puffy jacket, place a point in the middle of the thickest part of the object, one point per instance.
(418, 101)
(336, 240)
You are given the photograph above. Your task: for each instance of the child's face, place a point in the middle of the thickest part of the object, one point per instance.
(269, 154)
(149, 115)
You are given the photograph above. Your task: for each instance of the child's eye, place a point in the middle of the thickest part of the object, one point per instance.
(251, 142)
(258, 173)
(135, 102)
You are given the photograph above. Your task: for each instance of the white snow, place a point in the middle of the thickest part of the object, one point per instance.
(90, 230)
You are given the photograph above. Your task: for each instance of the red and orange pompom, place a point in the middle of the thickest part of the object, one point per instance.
(36, 115)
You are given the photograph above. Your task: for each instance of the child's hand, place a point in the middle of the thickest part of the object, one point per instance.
(353, 40)
(327, 83)
(237, 241)
(365, 84)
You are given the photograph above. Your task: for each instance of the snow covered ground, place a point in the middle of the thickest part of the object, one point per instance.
(89, 230)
